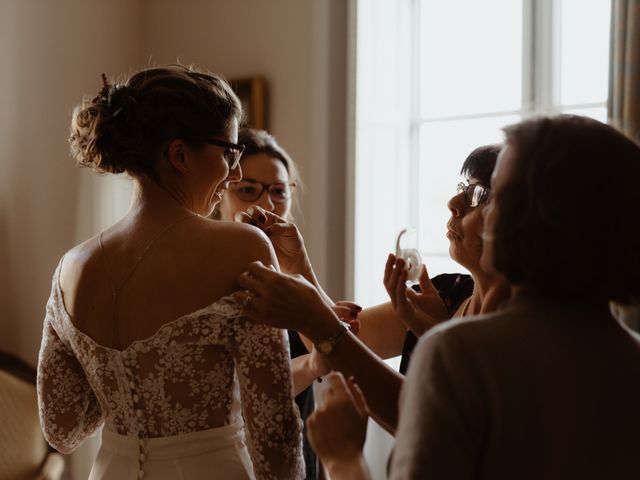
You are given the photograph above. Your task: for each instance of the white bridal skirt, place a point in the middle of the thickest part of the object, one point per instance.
(208, 454)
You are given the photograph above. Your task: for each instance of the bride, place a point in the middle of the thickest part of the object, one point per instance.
(143, 330)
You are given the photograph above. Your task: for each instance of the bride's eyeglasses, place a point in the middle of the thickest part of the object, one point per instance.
(474, 194)
(249, 190)
(232, 151)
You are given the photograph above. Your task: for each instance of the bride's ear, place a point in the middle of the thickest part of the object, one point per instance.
(176, 154)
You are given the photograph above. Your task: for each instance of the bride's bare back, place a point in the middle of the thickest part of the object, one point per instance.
(192, 264)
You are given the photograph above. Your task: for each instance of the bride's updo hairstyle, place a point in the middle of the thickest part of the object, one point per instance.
(127, 126)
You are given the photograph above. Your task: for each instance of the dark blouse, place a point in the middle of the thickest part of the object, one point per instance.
(305, 404)
(453, 288)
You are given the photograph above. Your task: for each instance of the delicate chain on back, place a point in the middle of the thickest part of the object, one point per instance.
(115, 289)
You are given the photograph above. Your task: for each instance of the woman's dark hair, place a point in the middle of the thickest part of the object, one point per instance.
(260, 141)
(480, 163)
(127, 125)
(566, 219)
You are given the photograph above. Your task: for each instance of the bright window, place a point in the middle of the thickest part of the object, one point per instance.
(436, 79)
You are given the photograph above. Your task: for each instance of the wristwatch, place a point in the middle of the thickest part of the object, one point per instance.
(327, 345)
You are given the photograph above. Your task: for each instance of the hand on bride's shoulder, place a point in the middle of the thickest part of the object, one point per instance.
(285, 301)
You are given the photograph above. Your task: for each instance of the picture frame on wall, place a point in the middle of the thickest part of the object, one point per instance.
(252, 92)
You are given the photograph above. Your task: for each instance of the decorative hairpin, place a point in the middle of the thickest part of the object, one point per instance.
(103, 94)
(111, 94)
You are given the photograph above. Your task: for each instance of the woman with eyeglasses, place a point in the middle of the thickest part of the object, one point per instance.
(449, 295)
(144, 332)
(264, 197)
(269, 180)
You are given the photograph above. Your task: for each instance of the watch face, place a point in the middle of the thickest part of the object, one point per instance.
(324, 347)
(327, 345)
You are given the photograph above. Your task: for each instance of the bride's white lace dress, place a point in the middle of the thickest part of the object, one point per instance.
(161, 398)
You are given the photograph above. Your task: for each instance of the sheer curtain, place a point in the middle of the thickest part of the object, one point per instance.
(624, 69)
(623, 104)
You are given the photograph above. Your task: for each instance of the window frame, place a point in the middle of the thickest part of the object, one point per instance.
(541, 90)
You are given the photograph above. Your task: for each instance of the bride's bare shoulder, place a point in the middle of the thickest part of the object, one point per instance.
(78, 261)
(244, 242)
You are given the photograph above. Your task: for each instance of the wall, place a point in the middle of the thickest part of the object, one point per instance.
(54, 53)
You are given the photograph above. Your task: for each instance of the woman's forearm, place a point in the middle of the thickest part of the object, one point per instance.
(303, 375)
(379, 383)
(353, 469)
(382, 331)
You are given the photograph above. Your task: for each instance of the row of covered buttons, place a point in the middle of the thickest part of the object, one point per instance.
(141, 442)
(143, 456)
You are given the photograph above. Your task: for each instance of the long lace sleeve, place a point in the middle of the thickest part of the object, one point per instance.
(69, 411)
(273, 422)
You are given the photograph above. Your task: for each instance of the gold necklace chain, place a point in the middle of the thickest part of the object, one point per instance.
(115, 289)
(139, 259)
